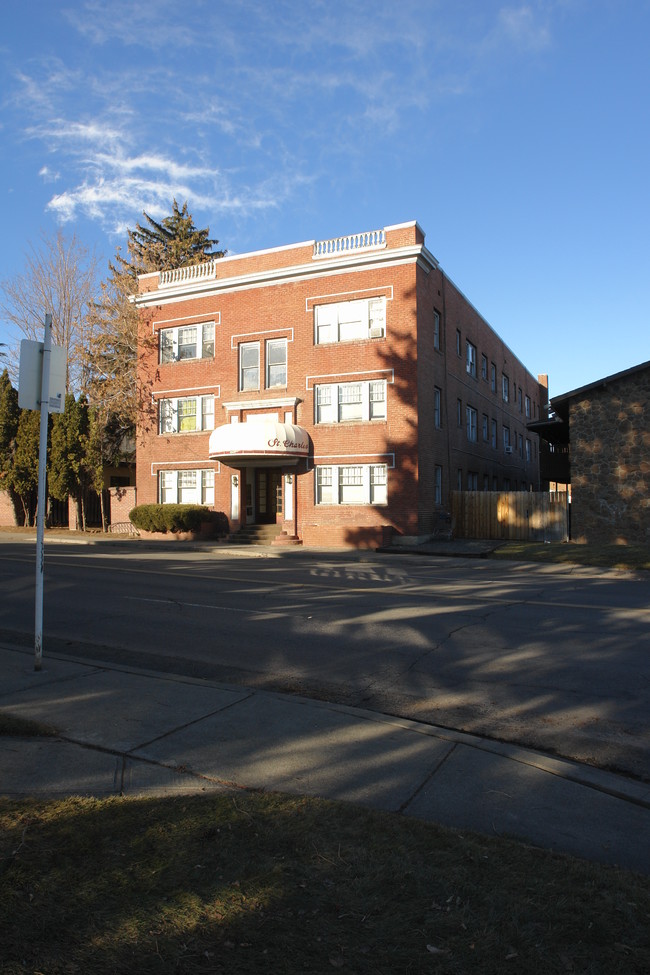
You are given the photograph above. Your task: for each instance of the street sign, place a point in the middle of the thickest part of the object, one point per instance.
(31, 377)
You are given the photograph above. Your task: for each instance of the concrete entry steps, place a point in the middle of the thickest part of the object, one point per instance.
(263, 535)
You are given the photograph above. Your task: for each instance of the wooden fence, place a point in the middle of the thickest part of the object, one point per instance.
(512, 515)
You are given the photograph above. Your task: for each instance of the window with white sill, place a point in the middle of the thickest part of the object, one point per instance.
(350, 402)
(345, 321)
(360, 484)
(187, 342)
(186, 487)
(186, 414)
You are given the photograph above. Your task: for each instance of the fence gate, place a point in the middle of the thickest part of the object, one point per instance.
(510, 515)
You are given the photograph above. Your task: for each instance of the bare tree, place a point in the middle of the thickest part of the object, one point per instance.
(60, 278)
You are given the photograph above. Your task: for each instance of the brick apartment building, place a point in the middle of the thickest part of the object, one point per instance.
(338, 389)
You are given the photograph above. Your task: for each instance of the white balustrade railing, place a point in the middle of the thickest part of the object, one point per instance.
(351, 243)
(183, 275)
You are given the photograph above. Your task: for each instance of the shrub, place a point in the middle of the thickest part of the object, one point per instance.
(177, 518)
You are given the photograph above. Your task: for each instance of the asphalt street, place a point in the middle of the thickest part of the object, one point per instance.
(551, 657)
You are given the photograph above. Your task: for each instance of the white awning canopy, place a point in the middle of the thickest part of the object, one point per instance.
(258, 444)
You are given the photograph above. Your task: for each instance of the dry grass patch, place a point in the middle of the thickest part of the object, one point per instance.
(258, 883)
(605, 556)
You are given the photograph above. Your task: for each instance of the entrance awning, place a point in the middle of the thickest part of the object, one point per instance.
(258, 444)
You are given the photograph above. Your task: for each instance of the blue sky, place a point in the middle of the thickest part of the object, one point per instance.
(516, 132)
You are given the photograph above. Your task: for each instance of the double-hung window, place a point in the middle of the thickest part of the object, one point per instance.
(186, 414)
(437, 484)
(186, 487)
(187, 342)
(471, 359)
(472, 424)
(345, 321)
(486, 433)
(249, 365)
(527, 402)
(505, 388)
(484, 367)
(436, 330)
(350, 402)
(276, 362)
(437, 407)
(360, 484)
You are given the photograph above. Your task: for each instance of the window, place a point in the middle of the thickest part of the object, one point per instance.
(484, 367)
(351, 402)
(437, 484)
(486, 482)
(471, 359)
(520, 443)
(352, 484)
(527, 402)
(249, 365)
(458, 341)
(528, 451)
(493, 434)
(437, 407)
(505, 388)
(519, 399)
(459, 479)
(276, 363)
(186, 415)
(377, 399)
(493, 378)
(436, 329)
(324, 493)
(378, 483)
(486, 429)
(472, 424)
(187, 342)
(186, 487)
(459, 412)
(207, 487)
(345, 321)
(506, 440)
(472, 481)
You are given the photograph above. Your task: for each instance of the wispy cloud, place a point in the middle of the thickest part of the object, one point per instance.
(231, 99)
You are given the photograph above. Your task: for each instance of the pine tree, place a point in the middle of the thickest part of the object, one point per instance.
(67, 464)
(9, 417)
(23, 474)
(174, 242)
(113, 349)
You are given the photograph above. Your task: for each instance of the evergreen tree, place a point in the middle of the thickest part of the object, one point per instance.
(67, 470)
(171, 243)
(9, 417)
(23, 474)
(113, 348)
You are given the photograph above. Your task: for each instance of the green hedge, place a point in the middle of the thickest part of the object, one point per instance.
(177, 518)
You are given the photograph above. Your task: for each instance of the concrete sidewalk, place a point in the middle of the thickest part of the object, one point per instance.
(133, 732)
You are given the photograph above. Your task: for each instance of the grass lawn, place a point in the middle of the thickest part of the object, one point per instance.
(262, 883)
(607, 556)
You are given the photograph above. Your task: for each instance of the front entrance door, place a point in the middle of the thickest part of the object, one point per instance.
(267, 492)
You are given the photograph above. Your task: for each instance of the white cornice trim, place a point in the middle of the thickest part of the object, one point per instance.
(339, 265)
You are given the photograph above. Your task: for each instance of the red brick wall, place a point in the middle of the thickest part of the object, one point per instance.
(122, 499)
(407, 440)
(7, 510)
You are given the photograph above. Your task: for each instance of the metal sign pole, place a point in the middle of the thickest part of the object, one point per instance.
(40, 508)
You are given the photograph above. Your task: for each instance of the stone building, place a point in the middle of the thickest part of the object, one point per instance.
(607, 424)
